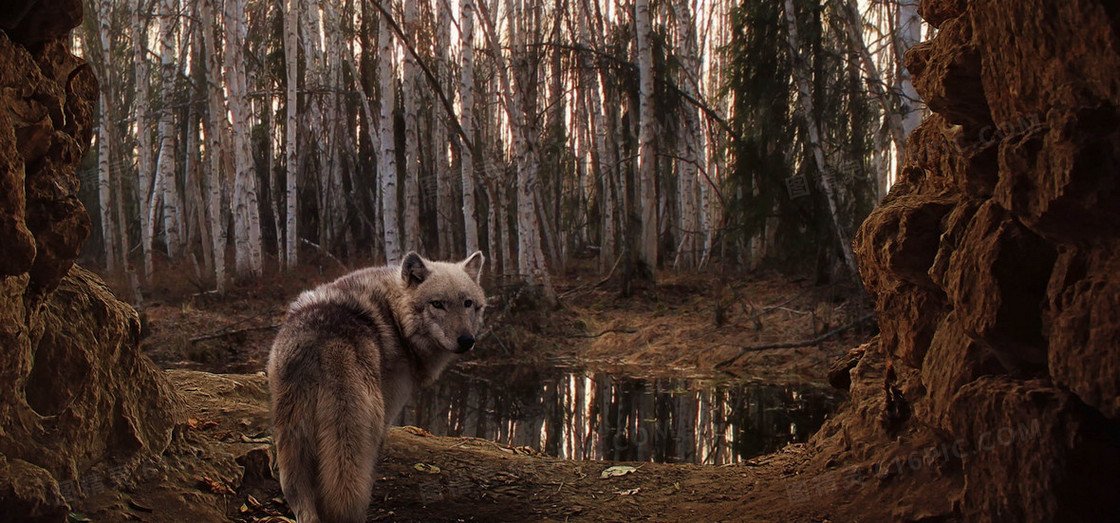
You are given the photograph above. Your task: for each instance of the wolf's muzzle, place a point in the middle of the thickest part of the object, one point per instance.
(466, 342)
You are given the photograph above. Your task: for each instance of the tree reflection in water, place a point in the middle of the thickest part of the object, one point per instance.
(581, 414)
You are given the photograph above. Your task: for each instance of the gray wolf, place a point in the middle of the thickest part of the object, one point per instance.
(347, 358)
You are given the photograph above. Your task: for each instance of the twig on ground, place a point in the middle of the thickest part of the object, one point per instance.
(608, 331)
(225, 333)
(795, 344)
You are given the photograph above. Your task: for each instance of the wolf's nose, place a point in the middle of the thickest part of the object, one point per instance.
(466, 341)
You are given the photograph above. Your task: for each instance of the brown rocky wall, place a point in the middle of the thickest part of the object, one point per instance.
(75, 391)
(995, 266)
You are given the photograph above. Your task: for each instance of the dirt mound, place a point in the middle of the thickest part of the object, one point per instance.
(993, 263)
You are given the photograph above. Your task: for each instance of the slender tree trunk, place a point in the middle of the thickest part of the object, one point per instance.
(104, 140)
(466, 120)
(647, 159)
(246, 211)
(145, 190)
(445, 197)
(165, 164)
(217, 143)
(291, 135)
(690, 141)
(411, 99)
(808, 113)
(387, 162)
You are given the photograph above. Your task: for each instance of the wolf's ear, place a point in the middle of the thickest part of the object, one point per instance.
(473, 265)
(413, 270)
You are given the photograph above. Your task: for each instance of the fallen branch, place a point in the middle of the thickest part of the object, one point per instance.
(601, 334)
(223, 334)
(795, 344)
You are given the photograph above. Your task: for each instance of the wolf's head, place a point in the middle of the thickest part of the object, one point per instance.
(446, 299)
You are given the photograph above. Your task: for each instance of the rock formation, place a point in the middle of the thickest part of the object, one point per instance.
(995, 266)
(75, 391)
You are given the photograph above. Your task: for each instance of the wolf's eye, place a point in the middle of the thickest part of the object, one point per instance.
(467, 304)
(437, 304)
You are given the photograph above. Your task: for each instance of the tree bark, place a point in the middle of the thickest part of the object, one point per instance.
(387, 161)
(165, 163)
(145, 191)
(291, 135)
(646, 249)
(411, 100)
(246, 212)
(466, 119)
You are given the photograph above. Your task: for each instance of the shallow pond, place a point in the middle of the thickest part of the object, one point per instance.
(581, 414)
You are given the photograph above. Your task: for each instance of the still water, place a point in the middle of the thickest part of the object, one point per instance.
(581, 414)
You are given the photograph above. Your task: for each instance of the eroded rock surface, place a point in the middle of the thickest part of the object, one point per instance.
(995, 265)
(75, 391)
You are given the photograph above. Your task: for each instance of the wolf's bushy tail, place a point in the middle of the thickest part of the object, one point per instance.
(295, 450)
(350, 426)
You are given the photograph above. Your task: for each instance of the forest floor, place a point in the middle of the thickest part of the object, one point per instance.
(218, 465)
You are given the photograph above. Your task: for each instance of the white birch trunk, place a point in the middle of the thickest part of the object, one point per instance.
(647, 161)
(387, 160)
(246, 213)
(165, 163)
(441, 161)
(690, 141)
(466, 120)
(411, 99)
(217, 143)
(104, 138)
(145, 173)
(104, 184)
(291, 135)
(805, 101)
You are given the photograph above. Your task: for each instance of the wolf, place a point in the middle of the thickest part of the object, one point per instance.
(345, 361)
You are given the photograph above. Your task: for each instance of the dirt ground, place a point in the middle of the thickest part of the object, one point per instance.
(218, 467)
(219, 463)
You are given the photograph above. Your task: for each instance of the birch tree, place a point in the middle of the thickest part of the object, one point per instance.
(689, 140)
(466, 120)
(387, 161)
(246, 213)
(445, 205)
(411, 101)
(646, 249)
(165, 162)
(291, 134)
(104, 139)
(145, 192)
